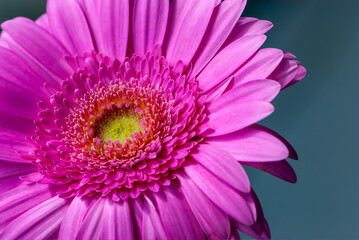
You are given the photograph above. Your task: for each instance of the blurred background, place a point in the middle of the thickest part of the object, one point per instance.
(319, 115)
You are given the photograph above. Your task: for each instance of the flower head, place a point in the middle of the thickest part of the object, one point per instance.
(128, 119)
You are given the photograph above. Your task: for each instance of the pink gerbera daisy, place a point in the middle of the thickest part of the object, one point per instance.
(131, 119)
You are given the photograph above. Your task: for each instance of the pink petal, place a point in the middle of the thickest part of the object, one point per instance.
(38, 48)
(218, 90)
(246, 27)
(285, 72)
(14, 70)
(187, 23)
(39, 222)
(151, 222)
(11, 169)
(114, 16)
(223, 19)
(69, 25)
(235, 116)
(149, 24)
(222, 165)
(228, 60)
(17, 124)
(214, 222)
(176, 215)
(224, 196)
(73, 218)
(91, 225)
(43, 21)
(117, 221)
(260, 66)
(252, 145)
(280, 169)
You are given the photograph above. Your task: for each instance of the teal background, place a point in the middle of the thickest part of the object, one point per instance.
(319, 116)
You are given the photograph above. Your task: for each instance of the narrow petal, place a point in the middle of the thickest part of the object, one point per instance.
(39, 222)
(10, 169)
(280, 169)
(246, 27)
(252, 145)
(20, 199)
(260, 229)
(150, 22)
(18, 101)
(260, 66)
(235, 116)
(114, 16)
(223, 165)
(38, 48)
(224, 196)
(285, 72)
(117, 221)
(69, 25)
(91, 225)
(73, 218)
(187, 23)
(151, 221)
(176, 215)
(228, 60)
(214, 221)
(17, 124)
(223, 19)
(14, 70)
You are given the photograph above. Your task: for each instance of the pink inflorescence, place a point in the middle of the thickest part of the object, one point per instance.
(69, 152)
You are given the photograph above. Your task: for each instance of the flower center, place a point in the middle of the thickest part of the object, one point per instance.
(118, 125)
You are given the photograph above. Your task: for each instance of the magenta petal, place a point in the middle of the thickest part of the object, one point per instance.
(17, 124)
(92, 223)
(43, 21)
(117, 221)
(73, 218)
(20, 199)
(69, 25)
(114, 17)
(149, 24)
(252, 145)
(224, 17)
(176, 215)
(223, 165)
(43, 53)
(39, 222)
(224, 196)
(214, 222)
(285, 72)
(260, 66)
(235, 116)
(151, 221)
(246, 27)
(228, 60)
(280, 169)
(11, 169)
(187, 23)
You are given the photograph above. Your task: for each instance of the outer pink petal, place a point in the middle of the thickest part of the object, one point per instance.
(92, 223)
(228, 60)
(280, 169)
(12, 145)
(214, 222)
(252, 145)
(224, 196)
(73, 218)
(43, 53)
(18, 200)
(223, 165)
(176, 215)
(39, 222)
(17, 124)
(14, 70)
(224, 18)
(43, 21)
(235, 116)
(151, 221)
(114, 16)
(117, 221)
(258, 90)
(69, 25)
(246, 27)
(187, 23)
(149, 24)
(260, 66)
(10, 169)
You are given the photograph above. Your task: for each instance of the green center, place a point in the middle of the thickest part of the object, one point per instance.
(118, 126)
